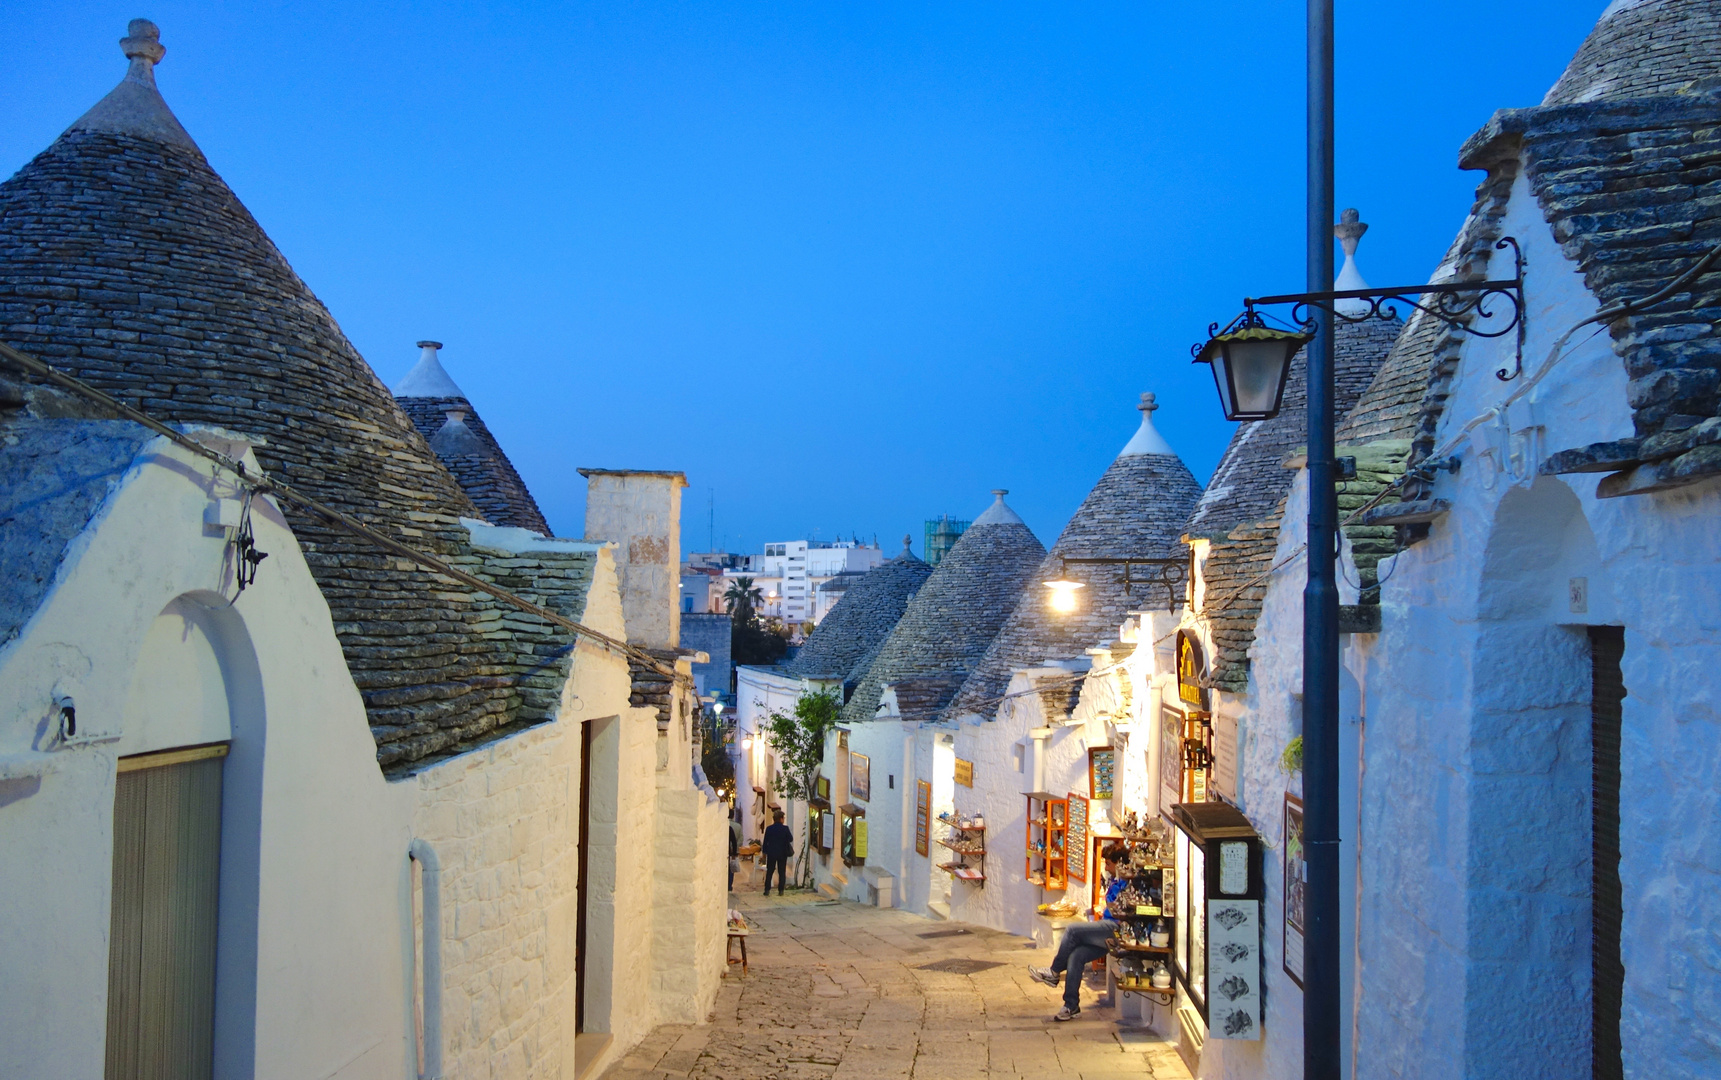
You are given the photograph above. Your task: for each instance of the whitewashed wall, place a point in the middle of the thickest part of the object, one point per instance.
(313, 842)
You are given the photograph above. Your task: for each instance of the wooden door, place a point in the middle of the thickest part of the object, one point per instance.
(161, 951)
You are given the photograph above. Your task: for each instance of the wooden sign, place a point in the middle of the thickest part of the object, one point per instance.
(1191, 670)
(1076, 842)
(1102, 769)
(965, 773)
(922, 816)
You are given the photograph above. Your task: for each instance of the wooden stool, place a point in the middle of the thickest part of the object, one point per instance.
(729, 946)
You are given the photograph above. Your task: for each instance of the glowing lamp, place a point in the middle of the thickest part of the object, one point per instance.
(1064, 591)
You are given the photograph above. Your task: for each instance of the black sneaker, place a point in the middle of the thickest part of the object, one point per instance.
(1067, 1014)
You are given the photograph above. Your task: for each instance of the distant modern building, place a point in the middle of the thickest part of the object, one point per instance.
(942, 533)
(788, 572)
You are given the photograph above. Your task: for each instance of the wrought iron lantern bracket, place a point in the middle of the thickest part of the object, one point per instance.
(1170, 574)
(1457, 304)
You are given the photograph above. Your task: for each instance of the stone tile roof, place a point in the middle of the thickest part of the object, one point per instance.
(1234, 589)
(1645, 48)
(127, 262)
(1136, 509)
(1632, 190)
(853, 630)
(947, 627)
(476, 459)
(920, 699)
(1251, 479)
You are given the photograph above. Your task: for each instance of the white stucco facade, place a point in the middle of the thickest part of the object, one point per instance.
(142, 634)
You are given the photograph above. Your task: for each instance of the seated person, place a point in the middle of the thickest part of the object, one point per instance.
(1086, 942)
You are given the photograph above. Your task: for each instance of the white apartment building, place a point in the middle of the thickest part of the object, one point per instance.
(789, 572)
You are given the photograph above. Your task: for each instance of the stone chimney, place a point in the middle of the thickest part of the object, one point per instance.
(640, 512)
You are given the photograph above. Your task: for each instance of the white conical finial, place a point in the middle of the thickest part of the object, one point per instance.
(427, 379)
(1147, 439)
(1349, 230)
(998, 513)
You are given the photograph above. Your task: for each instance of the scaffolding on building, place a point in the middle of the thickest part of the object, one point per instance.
(941, 535)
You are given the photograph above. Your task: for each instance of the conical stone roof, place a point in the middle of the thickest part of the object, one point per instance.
(441, 412)
(127, 262)
(1137, 510)
(851, 632)
(954, 617)
(1643, 48)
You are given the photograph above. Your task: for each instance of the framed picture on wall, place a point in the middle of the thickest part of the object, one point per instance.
(1296, 887)
(1171, 754)
(1102, 770)
(860, 777)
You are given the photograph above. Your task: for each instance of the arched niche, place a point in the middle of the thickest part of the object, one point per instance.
(1528, 835)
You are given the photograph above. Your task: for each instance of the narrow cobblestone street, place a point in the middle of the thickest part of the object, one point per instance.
(837, 991)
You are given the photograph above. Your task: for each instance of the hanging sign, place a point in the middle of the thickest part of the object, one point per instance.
(922, 816)
(965, 773)
(1191, 671)
(1076, 840)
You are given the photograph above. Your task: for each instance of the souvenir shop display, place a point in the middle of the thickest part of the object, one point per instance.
(967, 839)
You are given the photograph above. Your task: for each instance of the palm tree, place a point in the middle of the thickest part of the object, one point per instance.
(742, 600)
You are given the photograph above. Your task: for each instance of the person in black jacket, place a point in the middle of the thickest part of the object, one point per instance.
(778, 846)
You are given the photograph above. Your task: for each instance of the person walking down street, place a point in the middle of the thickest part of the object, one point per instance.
(779, 845)
(1084, 942)
(734, 846)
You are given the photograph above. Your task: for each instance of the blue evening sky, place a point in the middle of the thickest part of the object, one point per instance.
(849, 266)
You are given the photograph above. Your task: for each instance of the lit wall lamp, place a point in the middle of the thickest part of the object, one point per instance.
(1170, 574)
(1064, 589)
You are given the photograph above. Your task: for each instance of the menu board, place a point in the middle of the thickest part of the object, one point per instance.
(922, 816)
(827, 830)
(1076, 840)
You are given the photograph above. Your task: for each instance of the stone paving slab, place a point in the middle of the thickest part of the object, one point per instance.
(835, 991)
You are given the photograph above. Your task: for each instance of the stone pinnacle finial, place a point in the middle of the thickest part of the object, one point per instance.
(907, 543)
(1000, 492)
(1349, 230)
(430, 344)
(142, 46)
(1148, 403)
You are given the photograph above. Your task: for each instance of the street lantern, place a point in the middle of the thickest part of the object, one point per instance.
(1064, 590)
(1251, 363)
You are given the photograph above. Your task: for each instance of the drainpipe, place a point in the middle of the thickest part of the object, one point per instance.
(425, 855)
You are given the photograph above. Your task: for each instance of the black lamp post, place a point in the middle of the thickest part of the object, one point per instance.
(1250, 365)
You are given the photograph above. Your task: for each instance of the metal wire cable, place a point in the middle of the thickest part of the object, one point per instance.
(265, 485)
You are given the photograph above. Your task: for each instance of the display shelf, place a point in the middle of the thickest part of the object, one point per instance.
(960, 868)
(1047, 834)
(959, 850)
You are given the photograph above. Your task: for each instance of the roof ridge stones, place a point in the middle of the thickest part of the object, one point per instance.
(851, 633)
(951, 621)
(127, 262)
(1136, 510)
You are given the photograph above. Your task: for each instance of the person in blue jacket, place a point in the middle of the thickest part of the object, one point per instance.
(778, 846)
(1085, 942)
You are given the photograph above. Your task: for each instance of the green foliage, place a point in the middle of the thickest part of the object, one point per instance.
(1291, 760)
(719, 770)
(799, 740)
(758, 642)
(742, 600)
